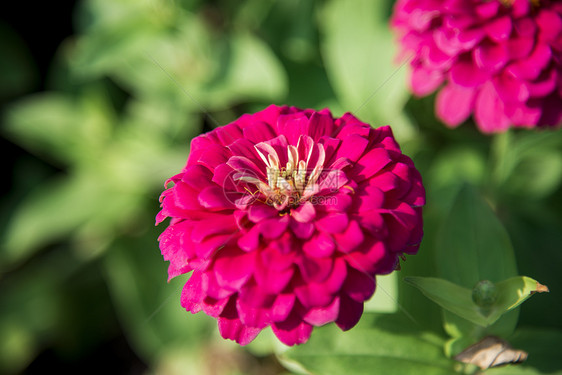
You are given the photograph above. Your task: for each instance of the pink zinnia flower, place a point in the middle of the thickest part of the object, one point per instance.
(500, 61)
(285, 217)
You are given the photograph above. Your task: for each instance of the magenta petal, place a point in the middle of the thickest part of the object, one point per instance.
(520, 8)
(302, 230)
(520, 47)
(371, 163)
(319, 316)
(385, 181)
(338, 203)
(487, 9)
(350, 238)
(293, 126)
(185, 197)
(434, 58)
(304, 213)
(233, 267)
(213, 197)
(330, 146)
(192, 294)
(212, 288)
(550, 25)
(499, 29)
(352, 147)
(511, 89)
(489, 110)
(349, 314)
(372, 221)
(273, 281)
(315, 269)
(370, 198)
(233, 329)
(320, 124)
(366, 261)
(358, 285)
(334, 283)
(532, 66)
(259, 212)
(292, 331)
(217, 224)
(465, 73)
(425, 81)
(313, 294)
(454, 104)
(258, 132)
(331, 181)
(273, 228)
(251, 316)
(522, 115)
(544, 86)
(282, 307)
(246, 167)
(205, 248)
(213, 155)
(491, 57)
(319, 246)
(250, 240)
(333, 223)
(275, 259)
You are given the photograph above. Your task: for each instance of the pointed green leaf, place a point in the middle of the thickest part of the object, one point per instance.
(449, 296)
(459, 300)
(516, 290)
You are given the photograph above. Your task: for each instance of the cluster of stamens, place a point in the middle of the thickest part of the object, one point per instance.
(290, 185)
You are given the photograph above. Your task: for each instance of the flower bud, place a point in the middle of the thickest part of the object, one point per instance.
(484, 293)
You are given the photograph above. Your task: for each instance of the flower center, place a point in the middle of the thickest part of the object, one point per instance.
(291, 180)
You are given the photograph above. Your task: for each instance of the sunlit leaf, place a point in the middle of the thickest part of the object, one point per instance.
(385, 344)
(459, 300)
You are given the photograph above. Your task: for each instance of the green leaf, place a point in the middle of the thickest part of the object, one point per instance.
(149, 307)
(516, 290)
(50, 212)
(359, 54)
(59, 126)
(248, 70)
(379, 344)
(473, 245)
(459, 300)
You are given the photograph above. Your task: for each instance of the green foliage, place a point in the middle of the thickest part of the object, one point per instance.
(359, 53)
(381, 343)
(460, 301)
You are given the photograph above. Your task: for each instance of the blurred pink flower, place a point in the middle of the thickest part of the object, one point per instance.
(500, 61)
(285, 217)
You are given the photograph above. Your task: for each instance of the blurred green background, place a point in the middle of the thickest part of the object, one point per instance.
(99, 100)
